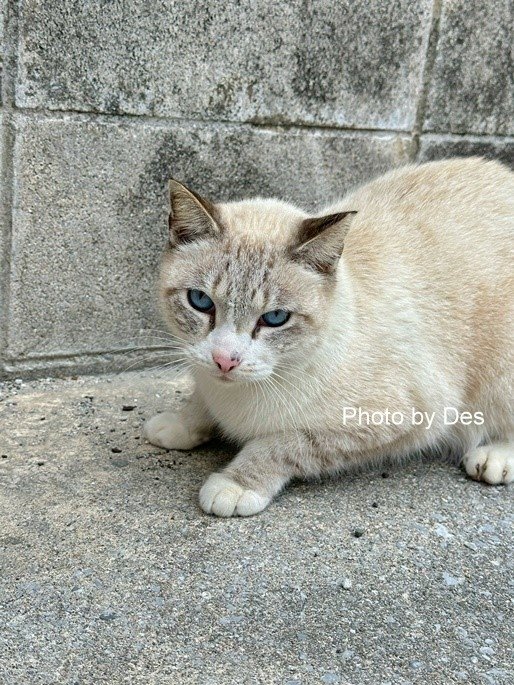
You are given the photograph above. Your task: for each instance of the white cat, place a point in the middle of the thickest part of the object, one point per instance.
(301, 332)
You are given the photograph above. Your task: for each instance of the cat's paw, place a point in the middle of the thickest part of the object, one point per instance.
(224, 497)
(169, 431)
(493, 464)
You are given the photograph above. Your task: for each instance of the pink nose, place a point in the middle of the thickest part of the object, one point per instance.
(226, 362)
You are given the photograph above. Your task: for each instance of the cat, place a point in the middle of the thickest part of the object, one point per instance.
(299, 331)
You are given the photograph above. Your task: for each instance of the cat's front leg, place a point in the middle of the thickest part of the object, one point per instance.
(181, 430)
(258, 473)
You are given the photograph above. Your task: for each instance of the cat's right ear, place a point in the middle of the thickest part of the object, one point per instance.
(191, 217)
(320, 241)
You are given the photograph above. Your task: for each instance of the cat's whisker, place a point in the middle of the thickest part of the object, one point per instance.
(301, 409)
(284, 401)
(256, 410)
(279, 402)
(297, 429)
(158, 336)
(135, 363)
(140, 342)
(160, 341)
(172, 368)
(142, 360)
(149, 351)
(167, 334)
(303, 379)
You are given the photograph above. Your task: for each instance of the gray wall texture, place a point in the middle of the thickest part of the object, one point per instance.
(103, 100)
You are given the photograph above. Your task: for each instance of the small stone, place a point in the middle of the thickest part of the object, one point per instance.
(229, 620)
(443, 532)
(346, 584)
(116, 450)
(108, 615)
(416, 664)
(128, 407)
(330, 678)
(358, 533)
(486, 651)
(450, 580)
(487, 528)
(120, 463)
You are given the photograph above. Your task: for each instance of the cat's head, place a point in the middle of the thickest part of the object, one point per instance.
(247, 287)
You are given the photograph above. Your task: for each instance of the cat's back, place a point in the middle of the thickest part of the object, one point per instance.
(430, 255)
(459, 211)
(452, 189)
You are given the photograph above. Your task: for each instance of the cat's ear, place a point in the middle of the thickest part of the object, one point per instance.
(320, 240)
(192, 217)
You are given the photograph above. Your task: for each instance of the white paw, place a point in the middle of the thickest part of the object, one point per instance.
(169, 431)
(492, 463)
(224, 497)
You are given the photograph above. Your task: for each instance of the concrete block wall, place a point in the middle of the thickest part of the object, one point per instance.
(102, 101)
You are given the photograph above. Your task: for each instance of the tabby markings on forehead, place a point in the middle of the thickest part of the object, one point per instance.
(217, 281)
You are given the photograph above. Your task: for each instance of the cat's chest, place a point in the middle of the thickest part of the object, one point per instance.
(254, 410)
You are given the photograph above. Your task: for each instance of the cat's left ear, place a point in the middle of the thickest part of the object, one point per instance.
(320, 240)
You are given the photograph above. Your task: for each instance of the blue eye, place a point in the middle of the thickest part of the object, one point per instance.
(278, 317)
(200, 301)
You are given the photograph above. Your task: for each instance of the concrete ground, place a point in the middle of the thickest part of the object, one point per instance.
(110, 573)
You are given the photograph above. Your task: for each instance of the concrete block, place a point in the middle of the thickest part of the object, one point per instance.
(4, 248)
(80, 267)
(440, 147)
(472, 88)
(90, 212)
(2, 10)
(343, 64)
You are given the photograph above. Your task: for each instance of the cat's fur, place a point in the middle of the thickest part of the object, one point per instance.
(406, 304)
